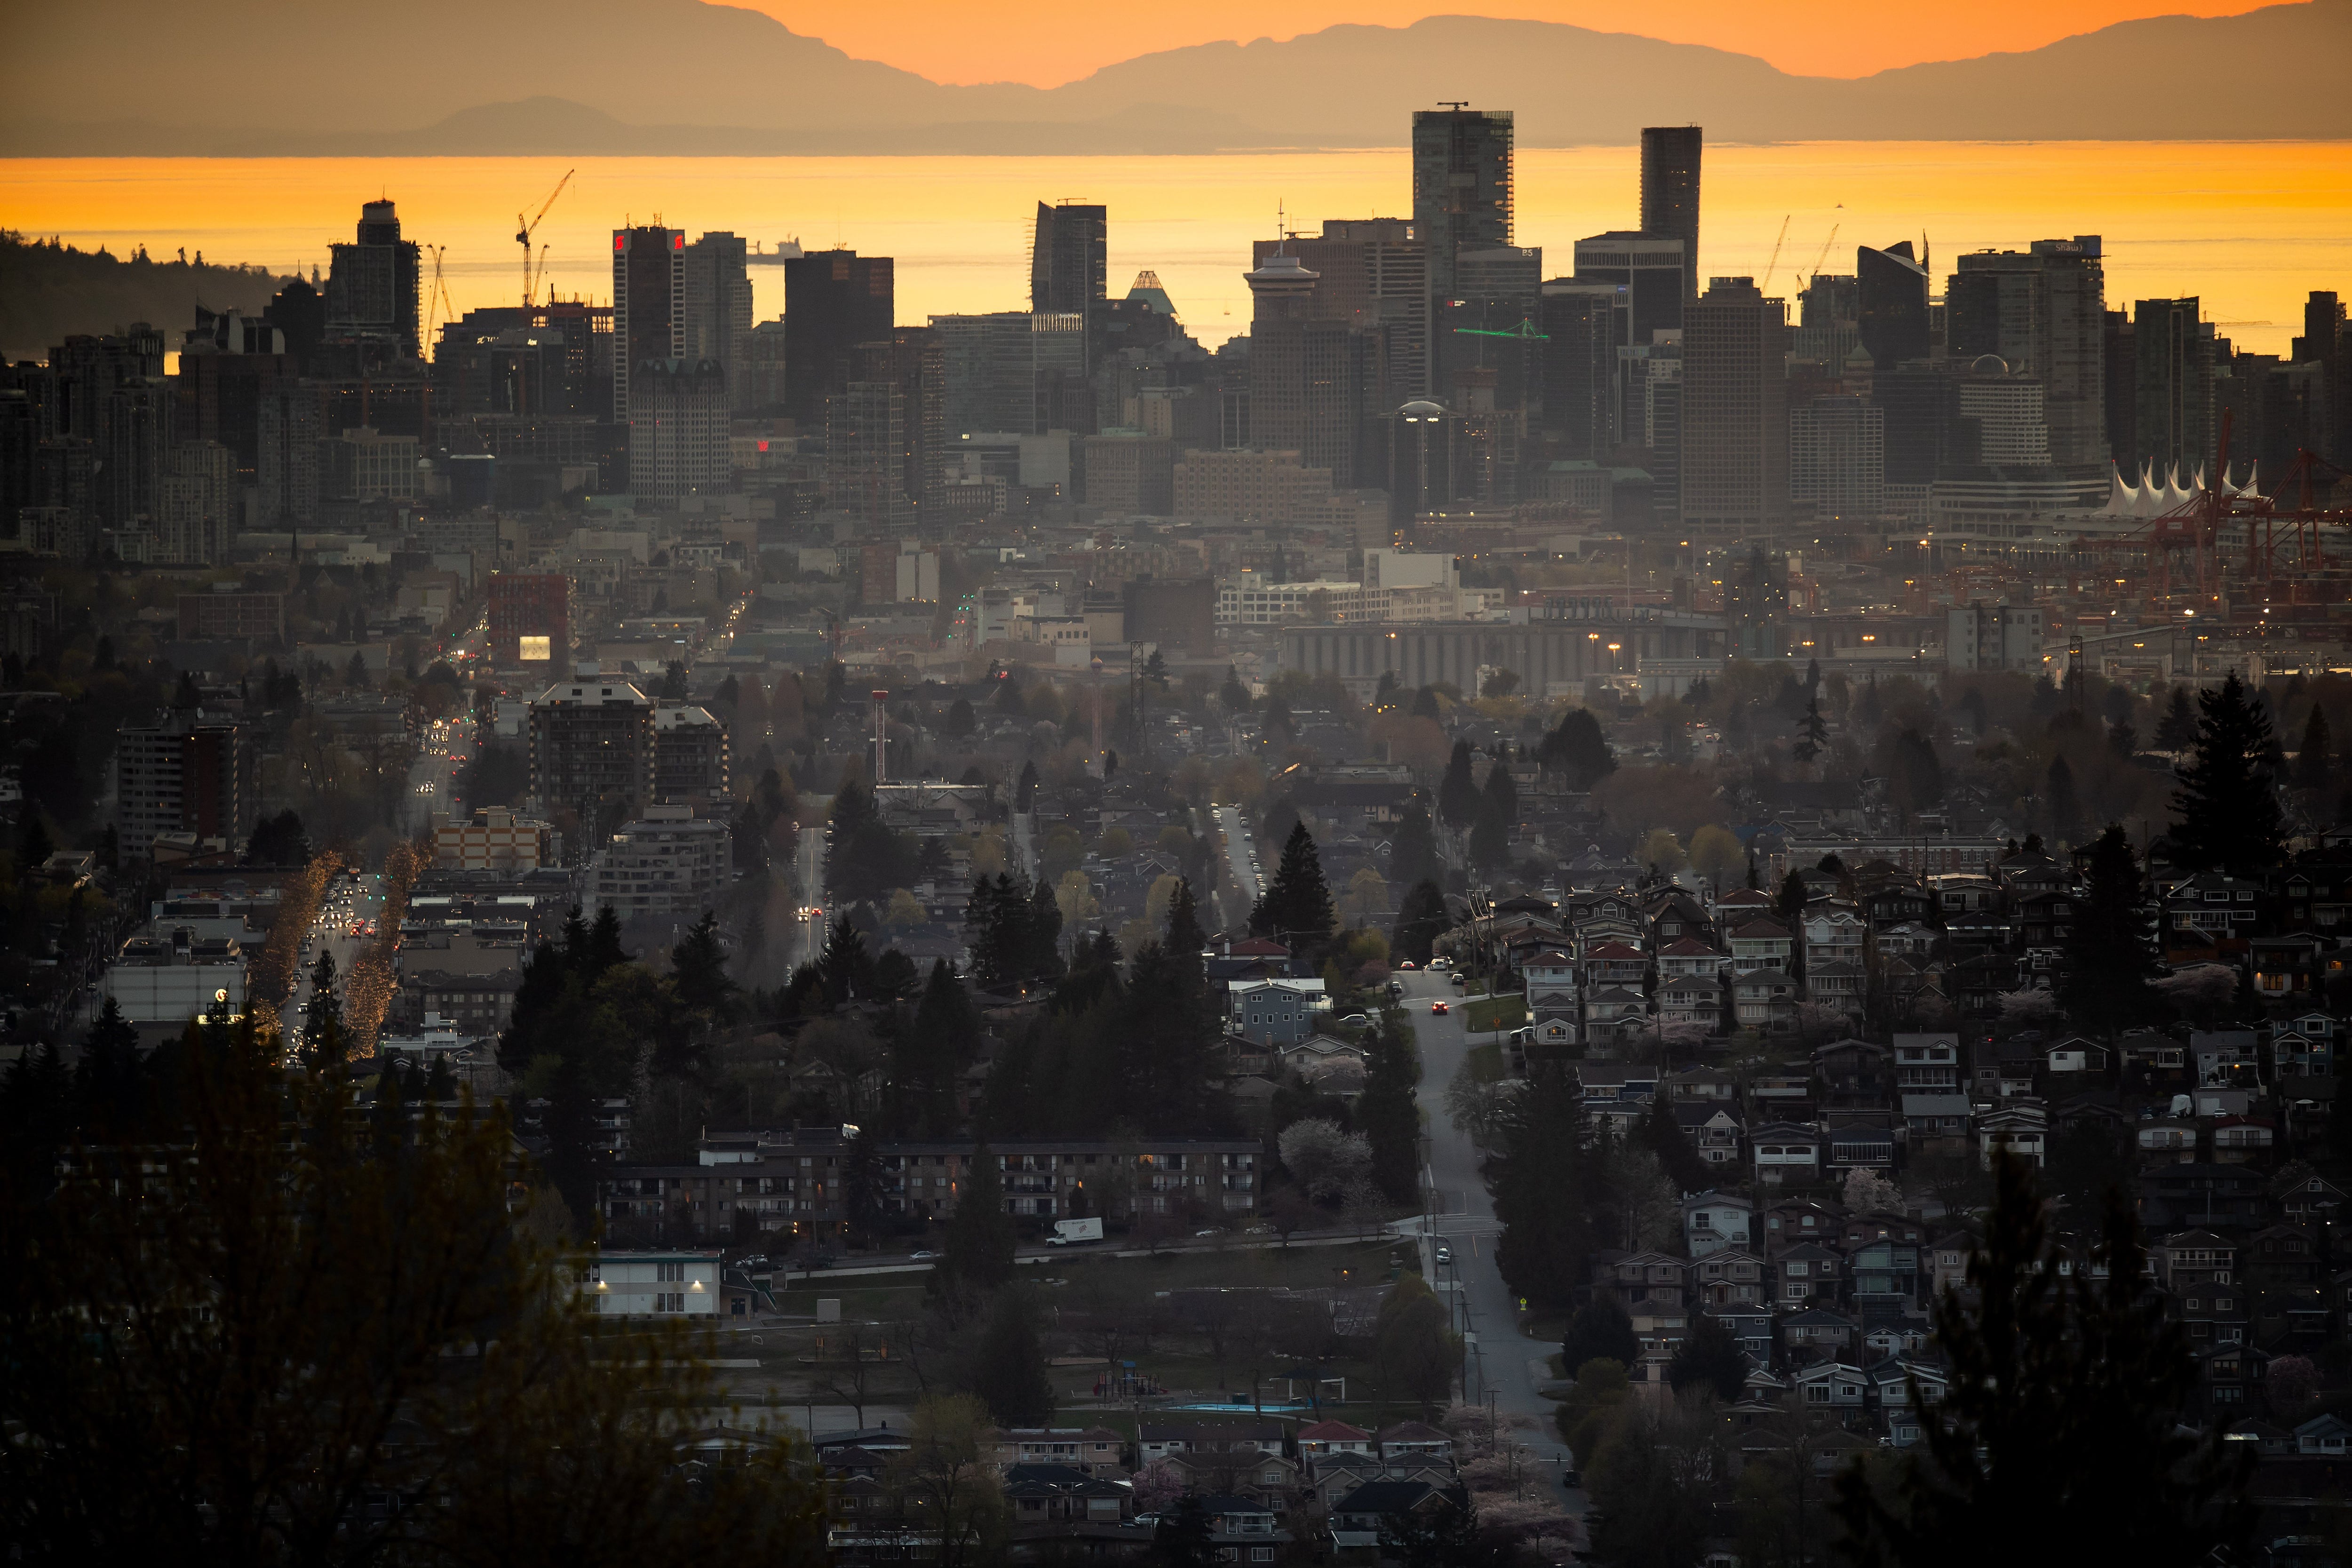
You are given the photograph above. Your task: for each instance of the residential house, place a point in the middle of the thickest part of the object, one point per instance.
(1327, 1437)
(1784, 1154)
(1936, 1121)
(1161, 1439)
(1276, 1012)
(1550, 981)
(1090, 1450)
(1863, 1145)
(1852, 1069)
(2020, 1132)
(1764, 1000)
(1414, 1442)
(1715, 1221)
(1760, 944)
(1714, 1129)
(1927, 1063)
(1358, 1519)
(1839, 985)
(1811, 1274)
(1730, 1277)
(1794, 1222)
(1833, 934)
(2076, 1057)
(1816, 1332)
(1834, 1385)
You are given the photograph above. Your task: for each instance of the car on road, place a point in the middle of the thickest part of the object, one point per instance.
(1458, 980)
(1439, 1007)
(1408, 963)
(923, 1256)
(1444, 1253)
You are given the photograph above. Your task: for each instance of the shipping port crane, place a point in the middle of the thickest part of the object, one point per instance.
(525, 228)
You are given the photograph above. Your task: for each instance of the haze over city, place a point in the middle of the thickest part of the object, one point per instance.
(900, 784)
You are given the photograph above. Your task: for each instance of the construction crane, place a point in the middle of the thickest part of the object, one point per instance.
(436, 299)
(1816, 269)
(525, 228)
(1773, 265)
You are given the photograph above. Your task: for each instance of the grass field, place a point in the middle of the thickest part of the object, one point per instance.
(1496, 1012)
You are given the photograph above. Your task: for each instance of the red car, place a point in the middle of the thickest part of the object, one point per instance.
(1408, 963)
(1437, 1007)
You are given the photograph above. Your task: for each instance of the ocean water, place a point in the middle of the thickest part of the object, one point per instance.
(2249, 227)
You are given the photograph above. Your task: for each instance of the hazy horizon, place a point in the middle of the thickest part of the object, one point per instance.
(2248, 228)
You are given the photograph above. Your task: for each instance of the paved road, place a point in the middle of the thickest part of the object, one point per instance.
(1502, 1362)
(347, 904)
(443, 751)
(808, 888)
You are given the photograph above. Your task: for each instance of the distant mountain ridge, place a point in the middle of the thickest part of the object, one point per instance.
(679, 76)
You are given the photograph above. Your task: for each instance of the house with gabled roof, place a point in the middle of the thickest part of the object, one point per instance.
(1713, 1220)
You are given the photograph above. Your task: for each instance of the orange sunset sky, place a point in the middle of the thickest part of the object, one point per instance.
(1046, 42)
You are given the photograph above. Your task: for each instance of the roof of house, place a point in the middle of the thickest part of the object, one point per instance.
(1333, 1432)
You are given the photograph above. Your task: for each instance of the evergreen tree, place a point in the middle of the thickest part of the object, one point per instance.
(1789, 903)
(1387, 1113)
(2065, 805)
(1490, 839)
(1232, 693)
(1024, 790)
(1543, 1182)
(2177, 731)
(1662, 1135)
(844, 969)
(1601, 1330)
(1421, 919)
(323, 1046)
(862, 1181)
(1042, 951)
(944, 1040)
(1185, 1537)
(1711, 1358)
(2123, 741)
(2313, 769)
(2062, 1422)
(699, 966)
(1812, 732)
(997, 914)
(1424, 705)
(33, 845)
(978, 1252)
(673, 687)
(1577, 748)
(1457, 792)
(1413, 854)
(2109, 947)
(1295, 907)
(1502, 792)
(108, 1080)
(604, 944)
(1008, 1373)
(2229, 811)
(1184, 933)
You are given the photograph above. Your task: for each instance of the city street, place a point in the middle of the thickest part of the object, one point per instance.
(1502, 1362)
(346, 924)
(443, 751)
(808, 887)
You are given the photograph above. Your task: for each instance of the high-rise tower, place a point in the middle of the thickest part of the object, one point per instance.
(1461, 190)
(833, 300)
(1670, 158)
(371, 283)
(648, 304)
(1891, 311)
(1069, 265)
(718, 309)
